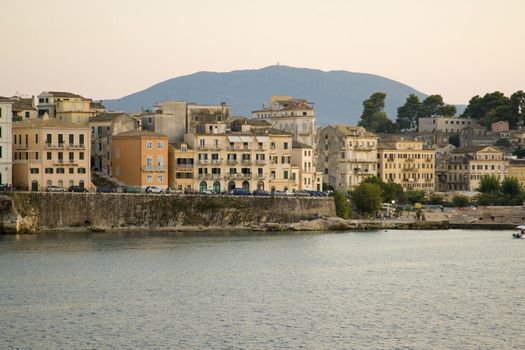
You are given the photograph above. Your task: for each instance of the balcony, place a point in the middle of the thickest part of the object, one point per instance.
(246, 162)
(21, 146)
(364, 148)
(55, 146)
(204, 176)
(184, 166)
(260, 162)
(231, 161)
(76, 146)
(151, 168)
(216, 161)
(204, 161)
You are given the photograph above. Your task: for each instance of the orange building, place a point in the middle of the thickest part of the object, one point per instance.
(140, 158)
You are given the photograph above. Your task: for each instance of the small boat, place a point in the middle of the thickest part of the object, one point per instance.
(520, 234)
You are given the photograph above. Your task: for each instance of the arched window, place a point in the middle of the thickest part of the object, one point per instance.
(246, 185)
(203, 186)
(260, 185)
(231, 185)
(217, 187)
(49, 183)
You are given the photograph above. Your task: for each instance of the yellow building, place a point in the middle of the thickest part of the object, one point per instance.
(50, 152)
(66, 106)
(406, 162)
(181, 166)
(303, 158)
(517, 169)
(139, 158)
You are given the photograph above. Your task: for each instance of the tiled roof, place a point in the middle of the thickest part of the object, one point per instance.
(23, 104)
(135, 133)
(297, 144)
(350, 130)
(47, 123)
(177, 145)
(5, 99)
(62, 94)
(106, 117)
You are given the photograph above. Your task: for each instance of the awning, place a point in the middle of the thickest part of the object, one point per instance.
(246, 139)
(234, 139)
(263, 139)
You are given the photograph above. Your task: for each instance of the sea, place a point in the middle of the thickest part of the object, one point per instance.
(387, 289)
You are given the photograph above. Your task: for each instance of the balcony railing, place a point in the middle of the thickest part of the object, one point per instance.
(158, 168)
(24, 146)
(184, 166)
(204, 161)
(55, 145)
(246, 161)
(260, 161)
(216, 161)
(76, 146)
(231, 161)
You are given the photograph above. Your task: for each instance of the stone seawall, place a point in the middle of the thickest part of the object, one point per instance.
(30, 212)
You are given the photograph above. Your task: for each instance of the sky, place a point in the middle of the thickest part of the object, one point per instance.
(110, 48)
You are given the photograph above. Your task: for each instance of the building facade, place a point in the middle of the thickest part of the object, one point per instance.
(408, 163)
(449, 125)
(51, 152)
(303, 159)
(466, 166)
(296, 116)
(139, 158)
(66, 106)
(346, 155)
(103, 128)
(6, 141)
(516, 169)
(23, 108)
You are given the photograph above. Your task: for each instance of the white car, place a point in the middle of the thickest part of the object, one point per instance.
(154, 189)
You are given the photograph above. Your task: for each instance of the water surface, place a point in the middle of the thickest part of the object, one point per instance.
(377, 290)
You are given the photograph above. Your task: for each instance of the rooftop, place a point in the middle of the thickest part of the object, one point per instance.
(138, 133)
(106, 117)
(47, 123)
(297, 144)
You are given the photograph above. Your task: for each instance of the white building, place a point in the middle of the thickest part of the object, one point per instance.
(6, 141)
(449, 125)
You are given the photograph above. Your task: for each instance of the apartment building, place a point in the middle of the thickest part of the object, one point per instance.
(51, 152)
(347, 155)
(181, 161)
(6, 141)
(303, 159)
(407, 163)
(139, 158)
(66, 106)
(296, 116)
(466, 166)
(103, 128)
(447, 125)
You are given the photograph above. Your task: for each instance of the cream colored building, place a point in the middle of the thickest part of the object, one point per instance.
(66, 106)
(181, 168)
(303, 158)
(24, 108)
(406, 162)
(103, 128)
(347, 155)
(466, 166)
(51, 152)
(139, 158)
(296, 116)
(6, 141)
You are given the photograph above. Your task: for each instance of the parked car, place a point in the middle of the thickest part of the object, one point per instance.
(154, 189)
(279, 193)
(240, 192)
(301, 194)
(3, 187)
(105, 189)
(131, 189)
(260, 193)
(207, 191)
(77, 189)
(54, 189)
(191, 191)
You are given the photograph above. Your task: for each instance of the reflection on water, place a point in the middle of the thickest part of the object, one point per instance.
(395, 289)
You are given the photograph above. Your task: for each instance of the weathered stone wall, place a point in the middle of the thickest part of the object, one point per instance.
(31, 211)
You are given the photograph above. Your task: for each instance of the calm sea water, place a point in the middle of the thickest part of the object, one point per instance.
(369, 290)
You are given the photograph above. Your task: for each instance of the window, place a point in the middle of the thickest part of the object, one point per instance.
(160, 178)
(272, 145)
(81, 156)
(71, 157)
(81, 170)
(71, 139)
(149, 163)
(202, 142)
(149, 178)
(285, 174)
(34, 170)
(48, 156)
(286, 145)
(60, 139)
(71, 170)
(48, 170)
(160, 144)
(36, 138)
(60, 171)
(149, 145)
(49, 138)
(81, 139)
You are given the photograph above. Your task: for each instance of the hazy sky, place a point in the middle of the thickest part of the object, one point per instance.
(110, 48)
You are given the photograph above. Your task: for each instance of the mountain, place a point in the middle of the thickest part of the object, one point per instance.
(338, 95)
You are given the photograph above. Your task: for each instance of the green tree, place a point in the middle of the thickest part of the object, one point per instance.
(489, 184)
(367, 198)
(393, 191)
(490, 108)
(460, 201)
(436, 199)
(342, 206)
(415, 196)
(434, 105)
(374, 118)
(511, 186)
(503, 142)
(517, 103)
(408, 114)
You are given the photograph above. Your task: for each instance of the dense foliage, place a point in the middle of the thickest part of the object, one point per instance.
(342, 206)
(492, 192)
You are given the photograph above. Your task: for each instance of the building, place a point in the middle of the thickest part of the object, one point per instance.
(23, 108)
(517, 169)
(442, 154)
(296, 116)
(466, 166)
(346, 155)
(51, 152)
(139, 158)
(6, 141)
(66, 106)
(181, 169)
(500, 127)
(103, 128)
(449, 125)
(303, 158)
(407, 163)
